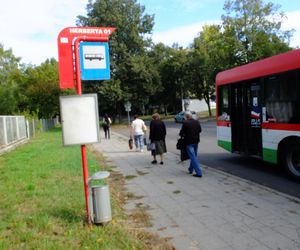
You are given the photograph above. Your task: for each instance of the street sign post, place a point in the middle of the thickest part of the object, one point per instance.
(127, 107)
(68, 41)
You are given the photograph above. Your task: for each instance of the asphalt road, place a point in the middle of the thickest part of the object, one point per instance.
(248, 168)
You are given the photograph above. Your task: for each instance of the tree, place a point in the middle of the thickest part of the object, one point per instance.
(9, 76)
(41, 89)
(165, 95)
(209, 55)
(130, 65)
(257, 28)
(174, 77)
(250, 31)
(109, 94)
(144, 79)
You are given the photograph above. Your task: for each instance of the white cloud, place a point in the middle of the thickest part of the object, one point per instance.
(183, 35)
(191, 5)
(31, 27)
(292, 22)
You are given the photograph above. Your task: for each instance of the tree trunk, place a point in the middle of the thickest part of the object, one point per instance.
(207, 100)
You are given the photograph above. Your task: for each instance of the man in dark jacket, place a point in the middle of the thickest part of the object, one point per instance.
(190, 131)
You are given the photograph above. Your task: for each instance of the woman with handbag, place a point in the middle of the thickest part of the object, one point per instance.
(157, 137)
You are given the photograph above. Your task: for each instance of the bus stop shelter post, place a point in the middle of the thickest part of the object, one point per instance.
(83, 147)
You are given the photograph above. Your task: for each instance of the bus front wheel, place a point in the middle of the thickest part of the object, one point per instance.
(291, 159)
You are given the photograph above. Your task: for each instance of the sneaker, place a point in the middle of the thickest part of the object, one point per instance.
(154, 162)
(142, 151)
(161, 163)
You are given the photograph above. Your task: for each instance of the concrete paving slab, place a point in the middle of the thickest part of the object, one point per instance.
(216, 212)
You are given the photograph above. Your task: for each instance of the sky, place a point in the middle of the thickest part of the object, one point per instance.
(30, 27)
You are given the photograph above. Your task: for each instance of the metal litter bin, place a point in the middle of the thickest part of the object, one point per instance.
(99, 198)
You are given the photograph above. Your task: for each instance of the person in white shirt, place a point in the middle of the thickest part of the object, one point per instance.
(138, 129)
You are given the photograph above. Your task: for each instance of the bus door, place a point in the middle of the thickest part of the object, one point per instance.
(246, 118)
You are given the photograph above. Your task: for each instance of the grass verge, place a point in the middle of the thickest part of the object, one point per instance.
(42, 201)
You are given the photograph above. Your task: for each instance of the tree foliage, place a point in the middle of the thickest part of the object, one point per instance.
(130, 65)
(109, 94)
(40, 89)
(208, 55)
(174, 75)
(251, 30)
(256, 27)
(165, 95)
(9, 76)
(150, 76)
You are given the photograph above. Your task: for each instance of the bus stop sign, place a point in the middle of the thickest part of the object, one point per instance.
(94, 61)
(66, 41)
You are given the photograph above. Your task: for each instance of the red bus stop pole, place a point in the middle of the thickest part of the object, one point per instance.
(83, 147)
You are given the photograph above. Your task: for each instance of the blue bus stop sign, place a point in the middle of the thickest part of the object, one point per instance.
(94, 61)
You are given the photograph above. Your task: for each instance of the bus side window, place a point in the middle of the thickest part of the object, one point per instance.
(223, 103)
(282, 102)
(270, 118)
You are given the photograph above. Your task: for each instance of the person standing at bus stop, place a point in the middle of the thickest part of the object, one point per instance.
(138, 129)
(157, 137)
(190, 131)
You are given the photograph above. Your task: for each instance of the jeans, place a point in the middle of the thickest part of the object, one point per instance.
(139, 142)
(192, 150)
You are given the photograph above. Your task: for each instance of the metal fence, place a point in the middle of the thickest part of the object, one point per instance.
(15, 130)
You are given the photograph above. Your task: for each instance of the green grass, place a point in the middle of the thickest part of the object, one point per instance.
(177, 192)
(162, 116)
(42, 202)
(130, 177)
(205, 114)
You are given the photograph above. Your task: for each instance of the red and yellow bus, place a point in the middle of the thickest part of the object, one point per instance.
(258, 110)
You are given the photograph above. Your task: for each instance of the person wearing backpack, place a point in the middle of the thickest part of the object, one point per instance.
(106, 126)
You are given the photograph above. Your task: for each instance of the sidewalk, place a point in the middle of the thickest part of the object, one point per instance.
(215, 212)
